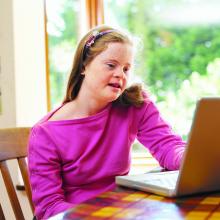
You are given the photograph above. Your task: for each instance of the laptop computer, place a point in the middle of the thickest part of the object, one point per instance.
(199, 171)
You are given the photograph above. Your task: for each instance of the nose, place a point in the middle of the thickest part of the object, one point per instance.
(119, 73)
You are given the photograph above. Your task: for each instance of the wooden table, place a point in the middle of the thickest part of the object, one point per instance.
(123, 203)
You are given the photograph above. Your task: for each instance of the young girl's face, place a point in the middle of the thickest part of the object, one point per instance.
(107, 74)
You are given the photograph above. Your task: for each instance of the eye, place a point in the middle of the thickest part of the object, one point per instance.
(110, 65)
(126, 69)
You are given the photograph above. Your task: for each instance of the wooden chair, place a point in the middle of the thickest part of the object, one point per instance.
(13, 145)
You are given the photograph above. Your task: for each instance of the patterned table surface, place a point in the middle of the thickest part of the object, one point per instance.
(123, 203)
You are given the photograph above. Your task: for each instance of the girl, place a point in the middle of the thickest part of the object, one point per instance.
(76, 151)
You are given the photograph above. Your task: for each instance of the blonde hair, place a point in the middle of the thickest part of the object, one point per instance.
(132, 95)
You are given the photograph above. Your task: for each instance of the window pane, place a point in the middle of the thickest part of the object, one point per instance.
(180, 59)
(63, 31)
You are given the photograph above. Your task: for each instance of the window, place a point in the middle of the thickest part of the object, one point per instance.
(179, 60)
(63, 31)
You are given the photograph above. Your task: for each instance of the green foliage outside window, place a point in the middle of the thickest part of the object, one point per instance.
(63, 32)
(173, 54)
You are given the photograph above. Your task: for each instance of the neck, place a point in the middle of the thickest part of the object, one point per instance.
(87, 106)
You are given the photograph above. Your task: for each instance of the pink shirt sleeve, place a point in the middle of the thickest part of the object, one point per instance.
(158, 137)
(45, 178)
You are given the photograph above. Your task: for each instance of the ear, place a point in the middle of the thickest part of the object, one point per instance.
(83, 70)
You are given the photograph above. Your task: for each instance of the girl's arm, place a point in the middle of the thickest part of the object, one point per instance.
(154, 133)
(45, 175)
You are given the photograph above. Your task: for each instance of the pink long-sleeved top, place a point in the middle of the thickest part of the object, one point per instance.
(71, 161)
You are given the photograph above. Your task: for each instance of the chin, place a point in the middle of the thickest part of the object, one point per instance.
(112, 98)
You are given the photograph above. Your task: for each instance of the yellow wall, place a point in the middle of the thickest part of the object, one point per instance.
(22, 52)
(22, 76)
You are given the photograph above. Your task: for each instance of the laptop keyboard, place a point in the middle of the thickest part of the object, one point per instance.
(165, 180)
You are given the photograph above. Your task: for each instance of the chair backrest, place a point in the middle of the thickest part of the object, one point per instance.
(13, 145)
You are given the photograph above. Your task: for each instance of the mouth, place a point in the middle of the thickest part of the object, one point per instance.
(115, 85)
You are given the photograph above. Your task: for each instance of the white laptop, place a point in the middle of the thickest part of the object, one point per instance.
(200, 168)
